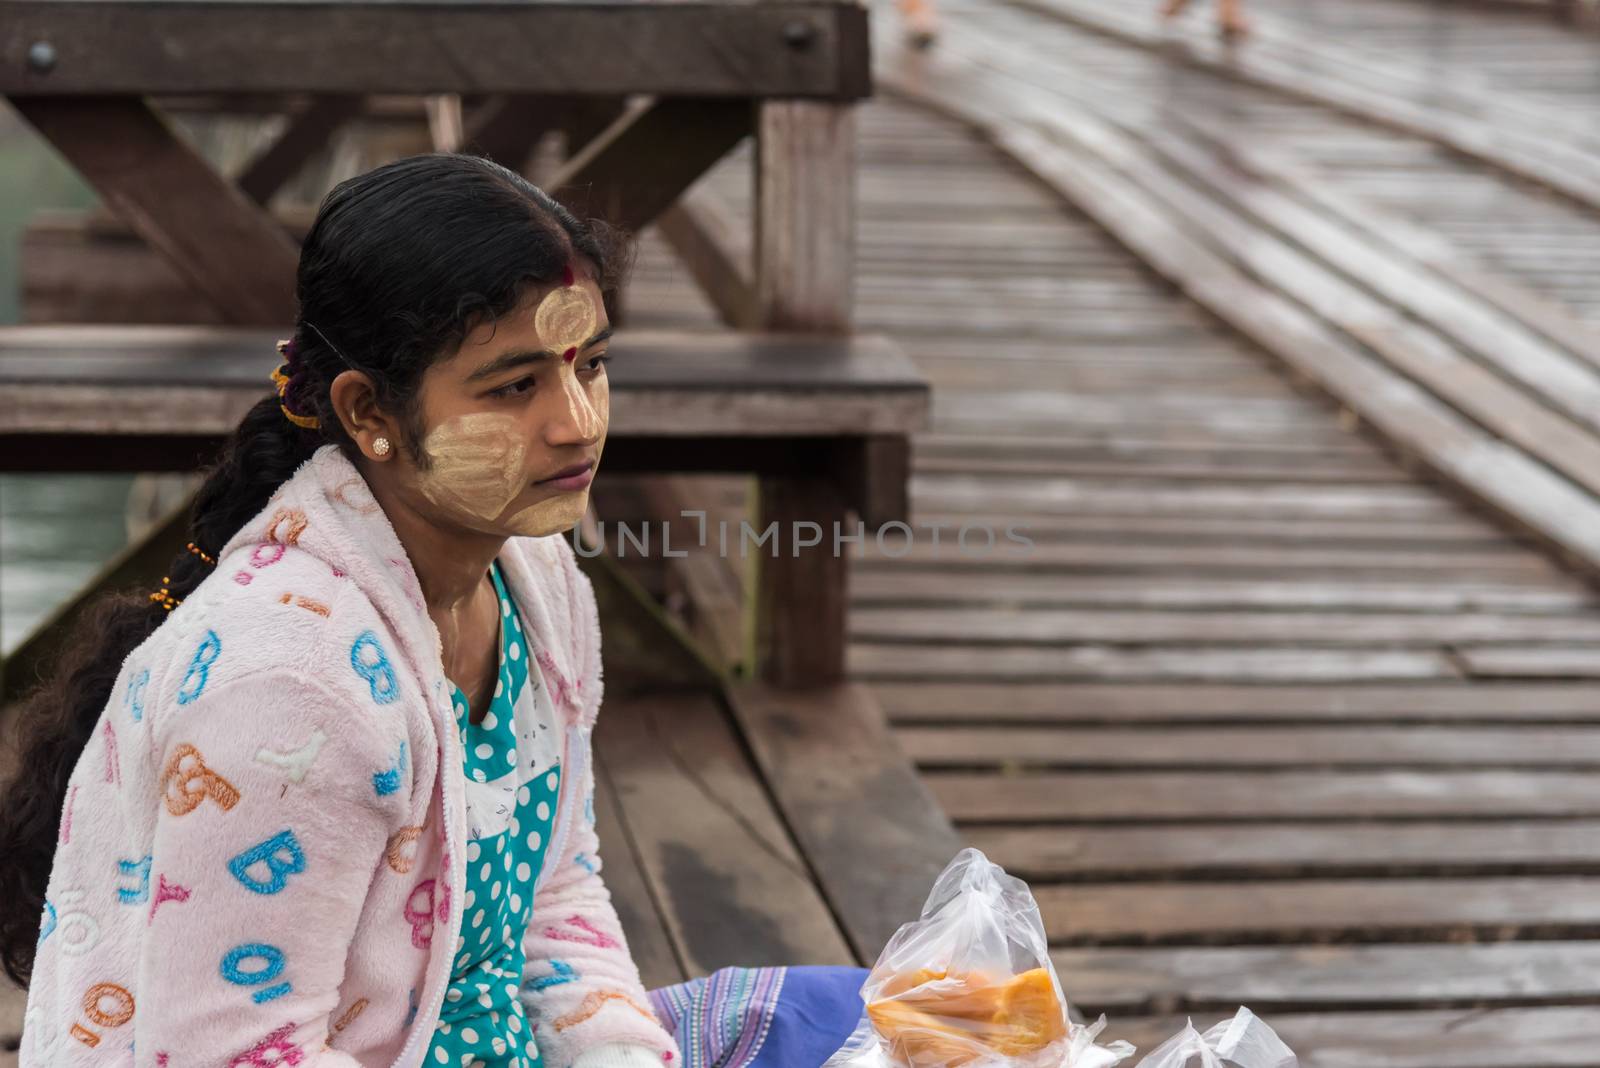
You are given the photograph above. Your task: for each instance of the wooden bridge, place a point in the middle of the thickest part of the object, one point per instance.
(1286, 360)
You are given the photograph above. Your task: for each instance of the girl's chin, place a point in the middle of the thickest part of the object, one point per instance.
(553, 515)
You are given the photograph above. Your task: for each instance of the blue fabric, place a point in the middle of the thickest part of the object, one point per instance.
(791, 1017)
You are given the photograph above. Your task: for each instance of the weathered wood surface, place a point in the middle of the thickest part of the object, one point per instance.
(226, 246)
(1271, 714)
(202, 379)
(874, 834)
(727, 882)
(808, 48)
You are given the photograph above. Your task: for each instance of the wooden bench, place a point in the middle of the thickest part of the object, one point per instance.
(682, 400)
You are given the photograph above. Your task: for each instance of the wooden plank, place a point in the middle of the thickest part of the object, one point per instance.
(906, 586)
(1272, 980)
(716, 857)
(1009, 466)
(966, 663)
(805, 48)
(643, 162)
(1556, 424)
(1059, 495)
(307, 132)
(1285, 850)
(1426, 247)
(1230, 702)
(1462, 529)
(867, 825)
(703, 238)
(1527, 155)
(508, 127)
(1057, 626)
(649, 943)
(223, 244)
(675, 382)
(1255, 746)
(1564, 661)
(1191, 796)
(1529, 495)
(1321, 911)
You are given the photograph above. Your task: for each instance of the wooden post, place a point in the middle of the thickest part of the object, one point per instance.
(805, 215)
(804, 280)
(224, 244)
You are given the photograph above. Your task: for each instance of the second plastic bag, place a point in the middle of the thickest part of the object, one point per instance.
(969, 984)
(1242, 1042)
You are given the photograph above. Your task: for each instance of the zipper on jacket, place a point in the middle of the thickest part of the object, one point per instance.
(457, 896)
(558, 834)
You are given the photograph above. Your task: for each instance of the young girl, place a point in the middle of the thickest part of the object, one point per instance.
(325, 797)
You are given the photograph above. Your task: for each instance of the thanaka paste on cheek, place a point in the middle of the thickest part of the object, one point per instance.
(564, 511)
(477, 463)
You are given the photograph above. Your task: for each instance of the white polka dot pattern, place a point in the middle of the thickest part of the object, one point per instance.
(481, 1021)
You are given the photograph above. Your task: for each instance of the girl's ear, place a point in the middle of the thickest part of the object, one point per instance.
(355, 402)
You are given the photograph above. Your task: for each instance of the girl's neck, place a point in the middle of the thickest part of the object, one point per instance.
(452, 563)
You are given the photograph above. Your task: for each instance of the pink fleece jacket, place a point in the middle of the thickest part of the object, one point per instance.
(262, 852)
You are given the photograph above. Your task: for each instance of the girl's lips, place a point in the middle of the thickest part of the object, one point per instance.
(569, 483)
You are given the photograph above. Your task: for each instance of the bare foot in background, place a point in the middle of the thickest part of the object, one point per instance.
(1231, 22)
(922, 24)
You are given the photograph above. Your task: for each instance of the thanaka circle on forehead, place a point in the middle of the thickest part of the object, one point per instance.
(565, 318)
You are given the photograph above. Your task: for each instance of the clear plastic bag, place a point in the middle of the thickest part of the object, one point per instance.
(970, 984)
(1242, 1042)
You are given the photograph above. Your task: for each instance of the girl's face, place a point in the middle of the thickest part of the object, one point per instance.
(523, 401)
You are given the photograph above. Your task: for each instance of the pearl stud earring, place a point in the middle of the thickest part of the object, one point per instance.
(381, 446)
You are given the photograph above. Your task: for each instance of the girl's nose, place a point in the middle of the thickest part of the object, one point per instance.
(576, 419)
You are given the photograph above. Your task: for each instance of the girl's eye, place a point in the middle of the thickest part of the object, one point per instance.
(513, 389)
(597, 361)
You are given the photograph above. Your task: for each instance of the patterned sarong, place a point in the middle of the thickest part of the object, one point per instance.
(791, 1017)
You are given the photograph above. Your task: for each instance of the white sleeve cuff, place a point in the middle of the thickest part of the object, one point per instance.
(619, 1055)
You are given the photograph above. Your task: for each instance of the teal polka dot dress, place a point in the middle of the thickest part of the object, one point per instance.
(513, 777)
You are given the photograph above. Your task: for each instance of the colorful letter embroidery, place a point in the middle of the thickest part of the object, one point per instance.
(387, 782)
(369, 661)
(295, 764)
(589, 937)
(310, 604)
(562, 973)
(77, 931)
(133, 700)
(266, 555)
(273, 958)
(274, 1051)
(118, 1013)
(187, 782)
(194, 680)
(402, 852)
(66, 816)
(594, 1003)
(166, 891)
(282, 856)
(295, 520)
(419, 913)
(113, 765)
(349, 1015)
(141, 870)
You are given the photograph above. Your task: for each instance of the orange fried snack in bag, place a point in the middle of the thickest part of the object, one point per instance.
(969, 984)
(934, 1020)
